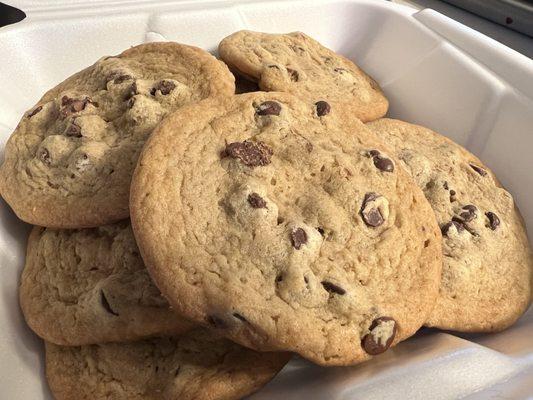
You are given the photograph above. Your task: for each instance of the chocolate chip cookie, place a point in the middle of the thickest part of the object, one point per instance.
(69, 162)
(91, 286)
(196, 366)
(488, 266)
(297, 64)
(273, 223)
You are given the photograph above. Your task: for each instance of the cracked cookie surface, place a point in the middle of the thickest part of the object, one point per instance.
(196, 366)
(69, 162)
(297, 64)
(488, 266)
(91, 286)
(278, 228)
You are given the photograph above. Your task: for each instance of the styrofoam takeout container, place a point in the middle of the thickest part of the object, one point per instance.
(434, 71)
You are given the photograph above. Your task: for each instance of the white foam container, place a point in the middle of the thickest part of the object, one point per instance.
(435, 72)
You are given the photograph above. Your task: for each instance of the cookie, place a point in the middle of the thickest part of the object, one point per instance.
(487, 271)
(275, 226)
(196, 366)
(69, 162)
(91, 286)
(297, 64)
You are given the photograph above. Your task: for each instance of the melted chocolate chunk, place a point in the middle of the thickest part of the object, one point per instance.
(452, 196)
(45, 156)
(383, 163)
(106, 305)
(256, 201)
(446, 227)
(298, 238)
(479, 170)
(165, 87)
(35, 111)
(494, 221)
(73, 130)
(293, 75)
(121, 78)
(322, 108)
(132, 91)
(373, 343)
(371, 215)
(71, 106)
(332, 288)
(251, 154)
(268, 108)
(469, 213)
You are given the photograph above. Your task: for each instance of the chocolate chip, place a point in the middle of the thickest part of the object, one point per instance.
(322, 108)
(494, 221)
(106, 305)
(479, 170)
(298, 238)
(70, 105)
(374, 153)
(216, 322)
(121, 78)
(45, 156)
(383, 163)
(293, 74)
(65, 100)
(164, 86)
(469, 214)
(452, 196)
(73, 130)
(268, 108)
(379, 339)
(446, 227)
(371, 214)
(332, 288)
(251, 154)
(35, 111)
(239, 317)
(256, 201)
(132, 91)
(78, 105)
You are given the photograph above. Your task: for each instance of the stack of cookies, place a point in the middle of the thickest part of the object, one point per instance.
(188, 239)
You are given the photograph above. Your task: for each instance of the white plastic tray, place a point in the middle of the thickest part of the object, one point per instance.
(435, 72)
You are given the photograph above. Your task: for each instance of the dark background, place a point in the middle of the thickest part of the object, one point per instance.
(10, 15)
